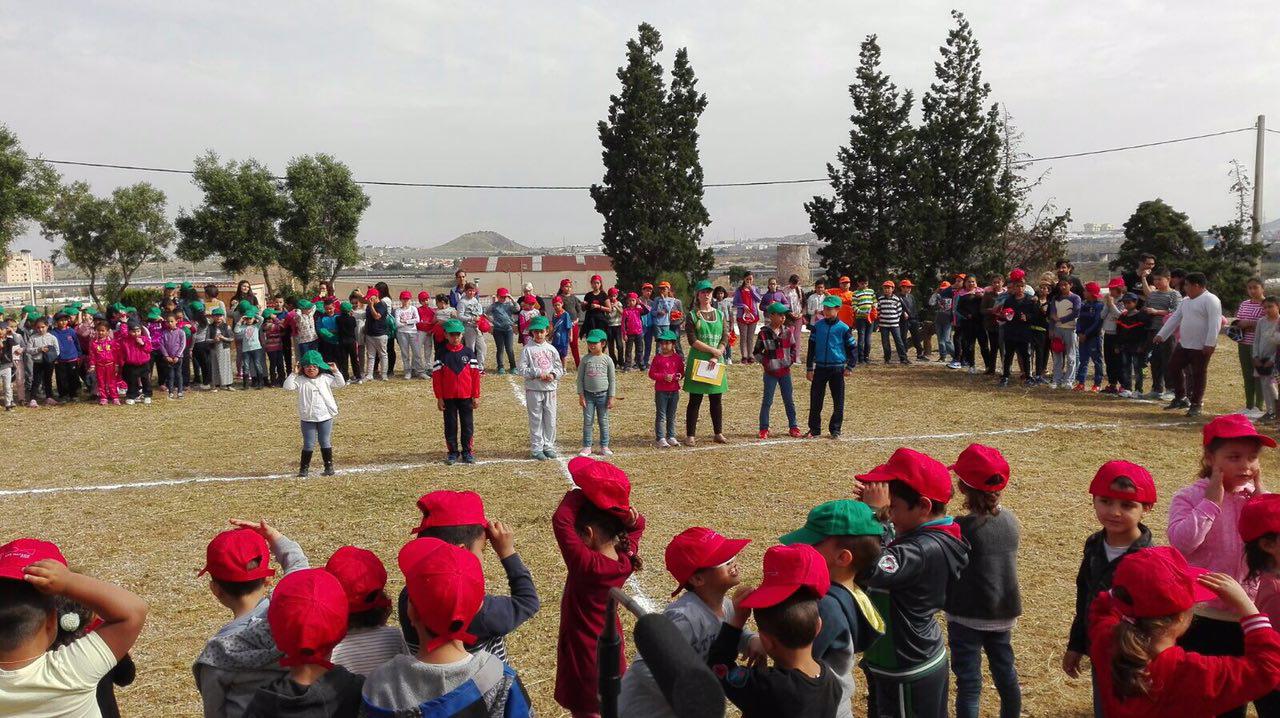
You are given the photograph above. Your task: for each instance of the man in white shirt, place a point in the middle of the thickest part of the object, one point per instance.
(1198, 320)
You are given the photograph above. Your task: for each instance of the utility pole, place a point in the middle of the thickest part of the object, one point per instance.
(1256, 229)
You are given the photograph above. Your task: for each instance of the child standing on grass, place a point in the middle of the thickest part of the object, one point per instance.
(369, 642)
(832, 355)
(597, 387)
(104, 358)
(1266, 341)
(528, 312)
(561, 327)
(541, 368)
(721, 300)
(1122, 494)
(242, 656)
(10, 355)
(444, 313)
(633, 329)
(1132, 334)
(173, 347)
(67, 365)
(1133, 629)
(135, 356)
(704, 565)
(666, 370)
(249, 334)
(775, 353)
(315, 381)
(42, 350)
(273, 332)
(599, 535)
(455, 380)
(1203, 525)
(221, 338)
(983, 605)
(615, 326)
(154, 327)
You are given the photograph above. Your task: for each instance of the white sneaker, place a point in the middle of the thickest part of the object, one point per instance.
(1055, 385)
(661, 444)
(606, 451)
(1252, 413)
(146, 400)
(407, 377)
(130, 402)
(954, 365)
(1125, 394)
(586, 451)
(673, 442)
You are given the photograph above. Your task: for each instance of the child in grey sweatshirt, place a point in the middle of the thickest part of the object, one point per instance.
(541, 368)
(597, 386)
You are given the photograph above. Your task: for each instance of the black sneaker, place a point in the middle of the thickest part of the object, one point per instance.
(468, 458)
(1194, 410)
(1003, 383)
(452, 458)
(1029, 383)
(1177, 404)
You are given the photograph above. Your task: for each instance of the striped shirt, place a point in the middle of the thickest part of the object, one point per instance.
(364, 650)
(1249, 310)
(890, 310)
(863, 301)
(1165, 301)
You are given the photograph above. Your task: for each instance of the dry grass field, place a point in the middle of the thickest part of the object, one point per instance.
(149, 533)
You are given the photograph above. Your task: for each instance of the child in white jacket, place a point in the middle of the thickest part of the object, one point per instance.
(315, 381)
(541, 368)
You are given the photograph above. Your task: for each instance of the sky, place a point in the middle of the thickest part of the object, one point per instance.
(510, 93)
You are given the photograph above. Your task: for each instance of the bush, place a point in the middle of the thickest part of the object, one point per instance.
(140, 298)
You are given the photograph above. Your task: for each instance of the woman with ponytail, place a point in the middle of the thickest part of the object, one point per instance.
(1134, 630)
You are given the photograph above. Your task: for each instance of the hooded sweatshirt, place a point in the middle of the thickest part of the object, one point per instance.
(536, 360)
(850, 624)
(335, 695)
(909, 586)
(480, 685)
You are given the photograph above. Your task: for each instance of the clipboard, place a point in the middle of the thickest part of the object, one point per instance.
(705, 372)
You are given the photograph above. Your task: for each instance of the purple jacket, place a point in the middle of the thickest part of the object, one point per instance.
(740, 302)
(173, 342)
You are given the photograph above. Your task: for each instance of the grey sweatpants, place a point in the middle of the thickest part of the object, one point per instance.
(375, 348)
(542, 419)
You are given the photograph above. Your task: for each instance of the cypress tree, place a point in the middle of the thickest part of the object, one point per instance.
(688, 215)
(864, 223)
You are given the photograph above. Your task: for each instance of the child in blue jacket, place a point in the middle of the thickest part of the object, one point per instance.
(832, 356)
(1089, 332)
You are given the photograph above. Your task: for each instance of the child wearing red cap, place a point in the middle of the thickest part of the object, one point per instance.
(704, 565)
(37, 677)
(1204, 523)
(561, 331)
(1122, 494)
(457, 518)
(847, 536)
(369, 642)
(633, 330)
(446, 589)
(411, 351)
(503, 315)
(909, 583)
(599, 534)
(1089, 333)
(308, 618)
(983, 605)
(1134, 630)
(455, 380)
(426, 327)
(786, 611)
(242, 656)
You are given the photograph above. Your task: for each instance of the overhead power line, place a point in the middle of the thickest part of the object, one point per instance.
(579, 188)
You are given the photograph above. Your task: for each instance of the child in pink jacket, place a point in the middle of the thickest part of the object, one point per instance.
(135, 355)
(667, 371)
(104, 357)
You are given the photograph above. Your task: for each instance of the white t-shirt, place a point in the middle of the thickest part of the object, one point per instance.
(59, 684)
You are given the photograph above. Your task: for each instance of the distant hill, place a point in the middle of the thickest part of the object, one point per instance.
(483, 242)
(805, 238)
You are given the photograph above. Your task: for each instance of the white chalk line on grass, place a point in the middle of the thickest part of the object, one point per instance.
(637, 591)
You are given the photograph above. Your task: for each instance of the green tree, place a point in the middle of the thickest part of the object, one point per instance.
(137, 231)
(238, 221)
(864, 224)
(651, 194)
(81, 221)
(28, 188)
(1158, 229)
(1230, 262)
(962, 209)
(318, 234)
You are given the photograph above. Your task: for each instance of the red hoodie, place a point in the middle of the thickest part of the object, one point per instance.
(103, 352)
(135, 351)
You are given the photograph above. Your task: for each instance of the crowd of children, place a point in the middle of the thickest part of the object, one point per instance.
(1183, 630)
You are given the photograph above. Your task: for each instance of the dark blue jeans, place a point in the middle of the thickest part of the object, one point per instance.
(967, 647)
(783, 383)
(664, 421)
(1090, 349)
(650, 334)
(894, 333)
(864, 328)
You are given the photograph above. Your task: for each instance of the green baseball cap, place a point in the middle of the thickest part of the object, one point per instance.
(345, 306)
(315, 359)
(702, 286)
(304, 304)
(541, 323)
(595, 336)
(251, 312)
(244, 305)
(188, 285)
(218, 311)
(130, 310)
(776, 308)
(268, 313)
(842, 517)
(666, 335)
(154, 313)
(454, 326)
(170, 285)
(832, 301)
(28, 308)
(196, 305)
(326, 334)
(33, 315)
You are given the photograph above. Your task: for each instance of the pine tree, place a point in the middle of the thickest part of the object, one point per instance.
(651, 193)
(864, 223)
(962, 210)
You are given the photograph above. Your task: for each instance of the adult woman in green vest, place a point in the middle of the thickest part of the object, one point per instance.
(708, 341)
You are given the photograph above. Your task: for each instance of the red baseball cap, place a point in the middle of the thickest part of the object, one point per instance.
(1092, 289)
(1234, 426)
(613, 291)
(451, 508)
(1017, 275)
(596, 278)
(363, 578)
(1259, 517)
(231, 553)
(1116, 283)
(16, 555)
(504, 292)
(308, 617)
(566, 282)
(928, 476)
(646, 285)
(371, 294)
(843, 280)
(406, 294)
(788, 569)
(424, 296)
(557, 299)
(1145, 486)
(632, 295)
(446, 587)
(605, 485)
(1158, 582)
(982, 467)
(698, 548)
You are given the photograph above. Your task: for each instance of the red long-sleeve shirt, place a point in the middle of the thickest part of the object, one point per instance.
(586, 595)
(1185, 684)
